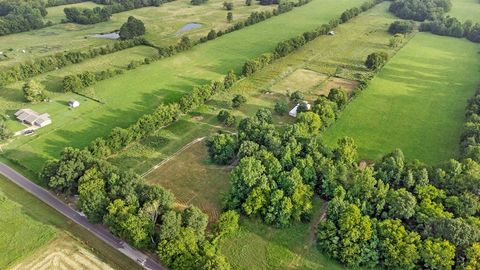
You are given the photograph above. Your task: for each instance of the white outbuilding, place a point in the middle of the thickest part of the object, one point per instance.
(293, 112)
(73, 104)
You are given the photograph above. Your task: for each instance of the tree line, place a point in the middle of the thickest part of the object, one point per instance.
(102, 14)
(49, 63)
(19, 16)
(140, 213)
(420, 10)
(450, 26)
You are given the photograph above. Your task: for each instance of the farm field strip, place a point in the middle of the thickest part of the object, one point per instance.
(416, 103)
(139, 91)
(162, 24)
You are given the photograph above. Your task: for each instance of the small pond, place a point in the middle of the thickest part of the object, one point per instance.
(113, 35)
(187, 27)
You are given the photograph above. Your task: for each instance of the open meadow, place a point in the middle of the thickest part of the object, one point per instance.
(466, 10)
(139, 91)
(163, 24)
(416, 103)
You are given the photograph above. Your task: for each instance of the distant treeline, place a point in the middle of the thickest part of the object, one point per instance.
(448, 26)
(54, 3)
(420, 10)
(102, 14)
(49, 63)
(470, 140)
(19, 16)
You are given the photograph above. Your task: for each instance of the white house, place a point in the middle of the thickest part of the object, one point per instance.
(73, 104)
(293, 112)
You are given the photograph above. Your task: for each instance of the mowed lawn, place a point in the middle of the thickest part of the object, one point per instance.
(416, 103)
(466, 10)
(139, 91)
(162, 28)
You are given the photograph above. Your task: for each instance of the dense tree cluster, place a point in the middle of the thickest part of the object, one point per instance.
(470, 139)
(139, 213)
(449, 26)
(54, 3)
(116, 6)
(20, 16)
(402, 215)
(132, 28)
(86, 15)
(34, 92)
(49, 63)
(401, 27)
(5, 133)
(420, 10)
(226, 118)
(376, 60)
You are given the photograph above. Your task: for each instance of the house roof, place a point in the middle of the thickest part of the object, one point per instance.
(31, 116)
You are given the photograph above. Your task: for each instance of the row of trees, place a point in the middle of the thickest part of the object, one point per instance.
(20, 16)
(470, 139)
(420, 10)
(45, 64)
(76, 82)
(86, 15)
(450, 26)
(140, 213)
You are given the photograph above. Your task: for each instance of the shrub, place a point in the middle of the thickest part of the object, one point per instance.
(238, 100)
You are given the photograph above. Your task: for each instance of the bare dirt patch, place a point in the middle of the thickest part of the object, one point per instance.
(62, 253)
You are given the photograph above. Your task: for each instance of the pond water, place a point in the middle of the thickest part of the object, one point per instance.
(113, 35)
(187, 27)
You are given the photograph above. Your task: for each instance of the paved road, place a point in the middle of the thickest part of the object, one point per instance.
(145, 261)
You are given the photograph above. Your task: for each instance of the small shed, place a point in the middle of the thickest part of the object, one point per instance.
(331, 33)
(293, 112)
(73, 104)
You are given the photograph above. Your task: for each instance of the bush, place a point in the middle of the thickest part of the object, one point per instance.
(402, 27)
(228, 5)
(297, 97)
(238, 100)
(376, 60)
(281, 107)
(33, 92)
(132, 28)
(226, 118)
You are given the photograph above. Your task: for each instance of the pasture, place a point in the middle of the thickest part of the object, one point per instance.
(269, 248)
(162, 24)
(20, 234)
(416, 103)
(466, 10)
(139, 91)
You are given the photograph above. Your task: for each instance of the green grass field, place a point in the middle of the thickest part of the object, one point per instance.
(416, 103)
(162, 24)
(138, 91)
(20, 234)
(466, 10)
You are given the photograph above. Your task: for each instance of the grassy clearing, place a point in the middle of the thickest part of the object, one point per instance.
(466, 10)
(269, 248)
(28, 224)
(138, 91)
(56, 14)
(416, 103)
(189, 185)
(162, 24)
(19, 233)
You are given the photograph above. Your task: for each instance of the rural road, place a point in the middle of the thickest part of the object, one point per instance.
(102, 233)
